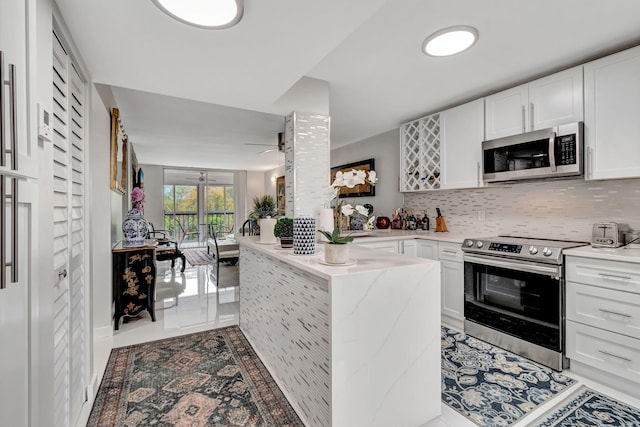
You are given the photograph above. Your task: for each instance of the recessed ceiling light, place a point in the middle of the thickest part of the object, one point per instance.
(450, 41)
(210, 14)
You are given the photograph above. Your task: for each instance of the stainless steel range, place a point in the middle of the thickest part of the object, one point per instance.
(514, 295)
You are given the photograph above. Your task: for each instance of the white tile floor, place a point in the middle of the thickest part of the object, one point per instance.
(191, 302)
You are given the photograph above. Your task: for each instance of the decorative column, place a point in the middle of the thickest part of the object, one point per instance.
(307, 151)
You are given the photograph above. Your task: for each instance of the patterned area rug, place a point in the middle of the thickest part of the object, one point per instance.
(491, 386)
(212, 378)
(198, 256)
(587, 407)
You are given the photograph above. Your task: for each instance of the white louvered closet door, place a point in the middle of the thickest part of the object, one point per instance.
(69, 238)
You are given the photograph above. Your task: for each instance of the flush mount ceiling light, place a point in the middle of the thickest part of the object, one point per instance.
(210, 14)
(450, 41)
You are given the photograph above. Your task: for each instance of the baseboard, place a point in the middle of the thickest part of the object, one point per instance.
(92, 391)
(606, 378)
(103, 332)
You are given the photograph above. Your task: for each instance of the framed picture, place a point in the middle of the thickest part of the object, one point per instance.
(280, 195)
(119, 142)
(362, 190)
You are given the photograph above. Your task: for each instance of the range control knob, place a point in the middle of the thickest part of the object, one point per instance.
(546, 252)
(610, 242)
(479, 244)
(470, 243)
(533, 250)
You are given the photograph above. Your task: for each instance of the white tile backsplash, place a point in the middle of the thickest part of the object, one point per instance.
(559, 209)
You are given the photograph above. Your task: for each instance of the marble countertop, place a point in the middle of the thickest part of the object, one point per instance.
(365, 259)
(626, 254)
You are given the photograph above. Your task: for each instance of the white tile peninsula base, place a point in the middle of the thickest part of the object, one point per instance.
(349, 346)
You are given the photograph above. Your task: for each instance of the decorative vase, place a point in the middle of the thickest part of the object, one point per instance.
(286, 242)
(304, 236)
(134, 229)
(336, 254)
(266, 230)
(383, 222)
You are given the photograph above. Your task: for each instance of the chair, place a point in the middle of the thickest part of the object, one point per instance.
(167, 249)
(254, 227)
(186, 234)
(224, 253)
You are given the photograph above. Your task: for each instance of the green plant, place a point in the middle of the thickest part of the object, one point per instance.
(336, 238)
(284, 227)
(263, 207)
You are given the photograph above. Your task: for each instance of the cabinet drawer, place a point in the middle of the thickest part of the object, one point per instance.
(450, 251)
(604, 308)
(612, 353)
(622, 276)
(388, 245)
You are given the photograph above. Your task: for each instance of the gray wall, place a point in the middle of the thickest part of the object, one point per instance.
(153, 195)
(384, 148)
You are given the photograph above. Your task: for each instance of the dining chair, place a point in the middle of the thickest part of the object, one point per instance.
(186, 234)
(224, 253)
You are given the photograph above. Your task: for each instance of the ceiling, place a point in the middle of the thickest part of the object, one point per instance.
(192, 97)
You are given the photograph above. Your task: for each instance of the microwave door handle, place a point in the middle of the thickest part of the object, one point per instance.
(552, 151)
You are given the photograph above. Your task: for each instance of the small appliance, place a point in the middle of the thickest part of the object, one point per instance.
(545, 153)
(608, 234)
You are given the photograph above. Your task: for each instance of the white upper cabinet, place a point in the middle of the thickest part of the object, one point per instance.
(506, 112)
(612, 116)
(543, 103)
(461, 135)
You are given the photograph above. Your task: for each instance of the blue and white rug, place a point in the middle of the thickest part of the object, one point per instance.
(587, 407)
(491, 386)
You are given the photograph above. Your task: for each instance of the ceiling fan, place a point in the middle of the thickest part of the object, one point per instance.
(200, 179)
(274, 147)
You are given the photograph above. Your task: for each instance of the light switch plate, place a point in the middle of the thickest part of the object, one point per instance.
(44, 124)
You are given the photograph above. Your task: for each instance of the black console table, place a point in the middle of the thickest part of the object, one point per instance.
(134, 281)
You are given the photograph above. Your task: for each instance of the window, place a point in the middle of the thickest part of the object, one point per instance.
(180, 205)
(219, 207)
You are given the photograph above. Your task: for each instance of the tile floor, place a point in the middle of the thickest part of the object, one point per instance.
(191, 302)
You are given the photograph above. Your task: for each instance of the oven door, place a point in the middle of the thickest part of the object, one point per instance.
(519, 298)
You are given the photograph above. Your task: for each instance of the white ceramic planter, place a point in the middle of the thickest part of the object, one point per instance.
(336, 254)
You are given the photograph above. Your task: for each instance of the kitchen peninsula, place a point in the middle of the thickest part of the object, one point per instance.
(355, 345)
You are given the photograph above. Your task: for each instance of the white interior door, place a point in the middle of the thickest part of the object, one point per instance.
(69, 251)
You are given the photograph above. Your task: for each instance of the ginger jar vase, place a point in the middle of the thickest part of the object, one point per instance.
(134, 229)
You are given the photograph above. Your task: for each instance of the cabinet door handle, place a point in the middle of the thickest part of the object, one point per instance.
(615, 276)
(524, 125)
(3, 227)
(14, 230)
(590, 162)
(450, 252)
(626, 359)
(62, 274)
(14, 120)
(531, 116)
(2, 83)
(478, 174)
(604, 310)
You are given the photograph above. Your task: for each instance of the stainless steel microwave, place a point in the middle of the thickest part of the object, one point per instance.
(545, 153)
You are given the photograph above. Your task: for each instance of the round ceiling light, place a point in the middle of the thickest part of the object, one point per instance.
(210, 14)
(450, 41)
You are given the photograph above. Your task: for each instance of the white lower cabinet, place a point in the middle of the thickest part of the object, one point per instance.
(452, 278)
(408, 247)
(427, 249)
(603, 318)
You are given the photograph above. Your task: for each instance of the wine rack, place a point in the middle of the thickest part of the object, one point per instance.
(420, 154)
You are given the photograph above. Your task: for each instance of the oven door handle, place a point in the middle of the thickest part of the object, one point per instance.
(528, 267)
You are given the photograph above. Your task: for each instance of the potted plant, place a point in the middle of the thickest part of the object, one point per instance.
(336, 251)
(284, 230)
(263, 207)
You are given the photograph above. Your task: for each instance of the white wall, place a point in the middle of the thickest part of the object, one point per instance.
(154, 194)
(101, 219)
(270, 182)
(255, 187)
(385, 149)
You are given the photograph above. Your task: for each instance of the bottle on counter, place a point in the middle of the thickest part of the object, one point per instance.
(418, 222)
(425, 221)
(396, 224)
(411, 220)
